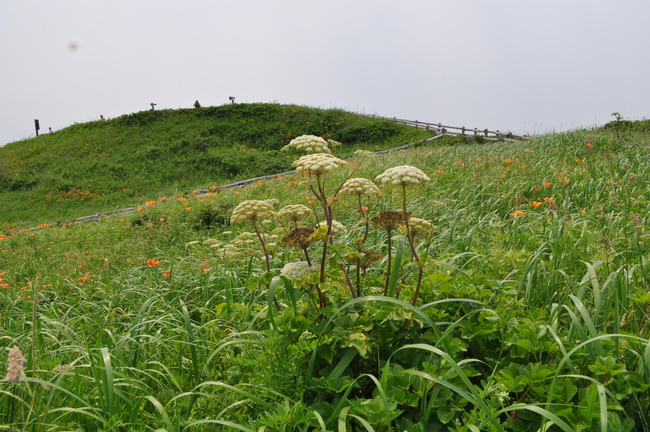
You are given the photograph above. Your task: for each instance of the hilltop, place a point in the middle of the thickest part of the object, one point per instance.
(104, 165)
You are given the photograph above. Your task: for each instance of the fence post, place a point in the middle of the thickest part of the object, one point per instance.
(37, 126)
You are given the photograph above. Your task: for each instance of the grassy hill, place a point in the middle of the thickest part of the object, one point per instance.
(523, 307)
(105, 165)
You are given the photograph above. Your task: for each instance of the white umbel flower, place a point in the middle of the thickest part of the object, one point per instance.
(294, 213)
(318, 163)
(308, 144)
(420, 226)
(253, 210)
(297, 270)
(359, 186)
(403, 175)
(364, 153)
(337, 227)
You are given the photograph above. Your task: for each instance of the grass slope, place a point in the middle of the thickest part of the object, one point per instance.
(532, 313)
(105, 165)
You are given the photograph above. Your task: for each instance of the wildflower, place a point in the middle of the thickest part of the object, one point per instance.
(337, 227)
(359, 186)
(299, 237)
(536, 204)
(547, 184)
(167, 273)
(152, 262)
(368, 258)
(15, 365)
(293, 213)
(309, 144)
(297, 270)
(253, 210)
(388, 220)
(149, 203)
(517, 213)
(403, 175)
(420, 226)
(318, 163)
(364, 153)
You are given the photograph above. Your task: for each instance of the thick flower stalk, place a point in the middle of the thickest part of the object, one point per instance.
(308, 144)
(317, 166)
(255, 211)
(388, 221)
(403, 176)
(359, 187)
(15, 365)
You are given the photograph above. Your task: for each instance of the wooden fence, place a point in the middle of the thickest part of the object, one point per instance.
(485, 134)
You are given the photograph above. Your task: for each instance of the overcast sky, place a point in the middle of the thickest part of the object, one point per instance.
(528, 66)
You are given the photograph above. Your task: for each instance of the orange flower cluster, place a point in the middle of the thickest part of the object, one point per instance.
(152, 262)
(517, 213)
(72, 193)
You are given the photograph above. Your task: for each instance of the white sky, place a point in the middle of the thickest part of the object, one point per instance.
(529, 66)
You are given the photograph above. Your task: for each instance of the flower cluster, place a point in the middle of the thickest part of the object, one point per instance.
(364, 153)
(359, 186)
(318, 163)
(297, 270)
(15, 365)
(403, 175)
(308, 144)
(293, 213)
(420, 226)
(337, 227)
(253, 210)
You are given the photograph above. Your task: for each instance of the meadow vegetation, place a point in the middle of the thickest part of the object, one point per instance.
(106, 165)
(455, 286)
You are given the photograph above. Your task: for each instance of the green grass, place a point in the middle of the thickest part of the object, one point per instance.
(532, 311)
(105, 165)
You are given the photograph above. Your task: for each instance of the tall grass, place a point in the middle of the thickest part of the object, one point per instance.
(531, 313)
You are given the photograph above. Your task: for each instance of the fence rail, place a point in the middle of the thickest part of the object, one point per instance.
(486, 134)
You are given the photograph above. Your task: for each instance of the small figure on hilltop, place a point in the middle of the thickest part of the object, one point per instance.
(197, 104)
(101, 117)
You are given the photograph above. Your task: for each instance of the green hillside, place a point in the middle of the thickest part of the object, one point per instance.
(105, 165)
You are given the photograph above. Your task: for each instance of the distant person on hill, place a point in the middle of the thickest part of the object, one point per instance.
(101, 117)
(197, 104)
